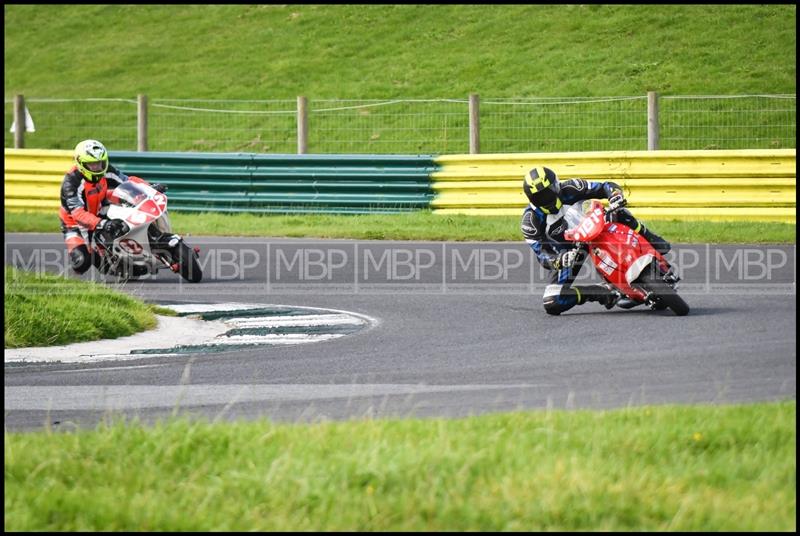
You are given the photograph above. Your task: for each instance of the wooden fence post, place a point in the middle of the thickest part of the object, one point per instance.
(141, 124)
(302, 125)
(19, 122)
(652, 121)
(474, 124)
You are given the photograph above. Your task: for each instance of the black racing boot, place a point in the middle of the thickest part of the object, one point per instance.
(606, 296)
(627, 303)
(660, 245)
(610, 299)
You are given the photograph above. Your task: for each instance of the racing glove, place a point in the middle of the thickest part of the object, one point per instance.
(102, 225)
(565, 259)
(111, 228)
(617, 200)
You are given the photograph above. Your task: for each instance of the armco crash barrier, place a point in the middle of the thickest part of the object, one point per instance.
(242, 182)
(32, 179)
(717, 185)
(707, 185)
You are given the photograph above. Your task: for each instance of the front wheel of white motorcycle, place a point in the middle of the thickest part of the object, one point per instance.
(188, 265)
(116, 271)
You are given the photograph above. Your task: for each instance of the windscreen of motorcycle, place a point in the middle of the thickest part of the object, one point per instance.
(163, 224)
(586, 220)
(574, 213)
(128, 194)
(567, 217)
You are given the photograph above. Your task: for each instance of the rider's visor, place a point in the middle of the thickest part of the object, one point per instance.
(545, 198)
(95, 167)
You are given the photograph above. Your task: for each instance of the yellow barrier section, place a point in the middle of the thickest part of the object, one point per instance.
(33, 178)
(703, 185)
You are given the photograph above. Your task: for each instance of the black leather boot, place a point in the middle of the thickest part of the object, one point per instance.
(660, 245)
(606, 296)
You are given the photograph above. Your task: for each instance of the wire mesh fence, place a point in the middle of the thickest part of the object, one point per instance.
(553, 124)
(62, 123)
(256, 126)
(396, 126)
(415, 126)
(728, 122)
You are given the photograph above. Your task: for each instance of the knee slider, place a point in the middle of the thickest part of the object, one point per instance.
(552, 307)
(551, 299)
(80, 259)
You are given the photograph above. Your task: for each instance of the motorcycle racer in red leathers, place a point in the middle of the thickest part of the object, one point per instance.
(84, 191)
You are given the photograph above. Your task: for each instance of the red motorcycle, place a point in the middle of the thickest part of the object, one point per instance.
(624, 258)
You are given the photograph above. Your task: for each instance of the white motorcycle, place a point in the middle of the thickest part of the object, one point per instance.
(146, 242)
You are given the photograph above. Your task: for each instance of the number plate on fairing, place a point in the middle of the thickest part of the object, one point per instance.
(604, 261)
(131, 246)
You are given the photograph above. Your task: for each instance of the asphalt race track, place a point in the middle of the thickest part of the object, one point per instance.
(460, 331)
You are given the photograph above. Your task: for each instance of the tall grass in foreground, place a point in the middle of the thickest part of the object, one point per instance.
(47, 310)
(667, 468)
(419, 225)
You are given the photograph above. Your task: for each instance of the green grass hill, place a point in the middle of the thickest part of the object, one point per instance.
(387, 51)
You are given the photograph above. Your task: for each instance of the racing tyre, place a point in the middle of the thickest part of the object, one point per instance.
(188, 266)
(665, 295)
(116, 271)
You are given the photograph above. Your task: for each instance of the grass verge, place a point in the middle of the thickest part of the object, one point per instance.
(663, 468)
(421, 225)
(47, 310)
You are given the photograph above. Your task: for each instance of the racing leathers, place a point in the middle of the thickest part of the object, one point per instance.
(544, 233)
(81, 203)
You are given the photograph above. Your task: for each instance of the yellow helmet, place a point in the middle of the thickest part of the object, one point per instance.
(541, 187)
(91, 158)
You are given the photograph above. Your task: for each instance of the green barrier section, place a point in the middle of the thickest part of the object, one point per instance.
(247, 182)
(708, 185)
(243, 182)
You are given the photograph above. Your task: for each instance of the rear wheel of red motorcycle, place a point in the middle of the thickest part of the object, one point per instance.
(664, 294)
(188, 266)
